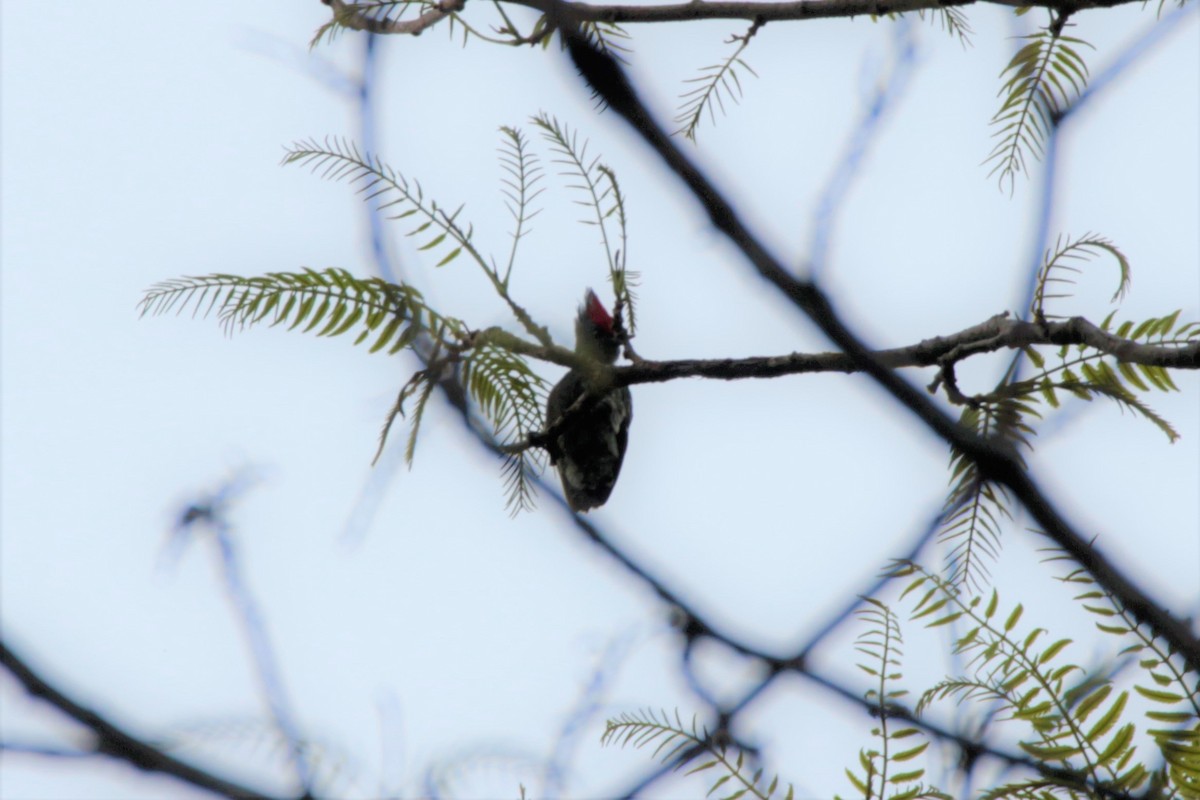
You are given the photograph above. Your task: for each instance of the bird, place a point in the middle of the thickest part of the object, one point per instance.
(589, 448)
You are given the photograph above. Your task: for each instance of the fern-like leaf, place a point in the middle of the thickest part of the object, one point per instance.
(1087, 373)
(1171, 683)
(1063, 257)
(380, 15)
(330, 302)
(431, 224)
(1180, 748)
(1044, 78)
(602, 196)
(607, 37)
(334, 770)
(1073, 720)
(522, 174)
(375, 11)
(885, 772)
(671, 738)
(953, 21)
(976, 508)
(421, 384)
(624, 281)
(715, 84)
(681, 745)
(510, 395)
(423, 390)
(1101, 380)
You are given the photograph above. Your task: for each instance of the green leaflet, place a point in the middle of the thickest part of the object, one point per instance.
(1044, 78)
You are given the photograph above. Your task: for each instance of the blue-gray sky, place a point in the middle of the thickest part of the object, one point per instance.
(140, 145)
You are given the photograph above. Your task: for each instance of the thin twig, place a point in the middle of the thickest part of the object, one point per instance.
(116, 742)
(995, 460)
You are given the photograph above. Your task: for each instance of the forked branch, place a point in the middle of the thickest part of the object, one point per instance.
(621, 13)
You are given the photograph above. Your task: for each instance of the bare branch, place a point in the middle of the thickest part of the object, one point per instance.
(112, 740)
(997, 333)
(995, 460)
(758, 12)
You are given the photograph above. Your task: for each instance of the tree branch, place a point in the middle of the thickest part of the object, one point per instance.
(692, 625)
(349, 15)
(115, 742)
(995, 460)
(997, 333)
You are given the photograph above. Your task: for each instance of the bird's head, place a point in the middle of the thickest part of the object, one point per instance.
(595, 334)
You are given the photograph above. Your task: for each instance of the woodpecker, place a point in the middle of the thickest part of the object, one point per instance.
(589, 450)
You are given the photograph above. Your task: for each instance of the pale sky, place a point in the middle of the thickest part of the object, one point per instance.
(141, 145)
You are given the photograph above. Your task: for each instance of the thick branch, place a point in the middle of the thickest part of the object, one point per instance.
(1078, 330)
(998, 333)
(114, 741)
(784, 12)
(761, 12)
(995, 461)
